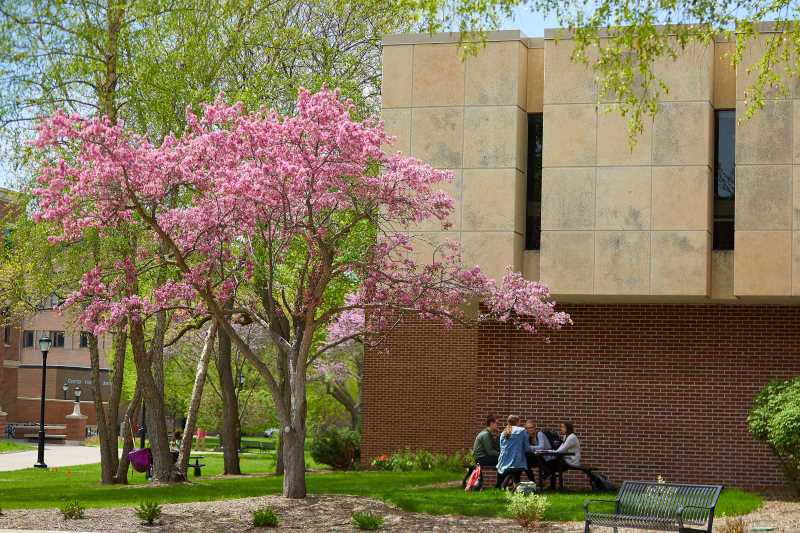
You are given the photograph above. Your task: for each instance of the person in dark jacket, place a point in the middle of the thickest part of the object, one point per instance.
(486, 448)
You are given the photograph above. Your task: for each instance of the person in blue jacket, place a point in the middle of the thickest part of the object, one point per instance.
(514, 443)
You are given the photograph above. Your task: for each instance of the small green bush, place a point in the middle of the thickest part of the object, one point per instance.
(775, 420)
(339, 448)
(367, 520)
(526, 509)
(148, 512)
(265, 518)
(407, 461)
(72, 510)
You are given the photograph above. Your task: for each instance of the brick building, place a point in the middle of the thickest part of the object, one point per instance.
(685, 303)
(21, 363)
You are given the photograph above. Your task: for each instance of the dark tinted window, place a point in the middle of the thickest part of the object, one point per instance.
(58, 339)
(533, 205)
(724, 179)
(27, 339)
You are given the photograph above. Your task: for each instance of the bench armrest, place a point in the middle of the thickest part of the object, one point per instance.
(587, 503)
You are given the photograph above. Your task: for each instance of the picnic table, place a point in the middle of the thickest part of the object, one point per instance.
(196, 464)
(558, 473)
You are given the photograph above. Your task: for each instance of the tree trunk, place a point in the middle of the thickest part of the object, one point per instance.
(194, 403)
(294, 460)
(108, 454)
(163, 467)
(340, 393)
(128, 443)
(230, 406)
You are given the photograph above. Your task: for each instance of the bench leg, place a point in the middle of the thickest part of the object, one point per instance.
(586, 527)
(197, 472)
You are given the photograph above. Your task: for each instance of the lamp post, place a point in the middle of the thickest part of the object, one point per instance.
(65, 388)
(78, 394)
(44, 346)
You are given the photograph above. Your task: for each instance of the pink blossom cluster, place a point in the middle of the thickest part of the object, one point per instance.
(227, 204)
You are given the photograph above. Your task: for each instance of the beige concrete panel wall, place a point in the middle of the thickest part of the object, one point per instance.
(568, 198)
(767, 254)
(613, 142)
(438, 76)
(646, 203)
(682, 198)
(497, 75)
(486, 196)
(467, 116)
(722, 275)
(623, 198)
(681, 262)
(530, 264)
(397, 73)
(535, 86)
(763, 263)
(689, 77)
(570, 135)
(567, 261)
(724, 76)
(622, 263)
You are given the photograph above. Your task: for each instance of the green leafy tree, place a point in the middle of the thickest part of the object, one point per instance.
(775, 420)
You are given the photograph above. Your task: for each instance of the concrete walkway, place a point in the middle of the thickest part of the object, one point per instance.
(54, 455)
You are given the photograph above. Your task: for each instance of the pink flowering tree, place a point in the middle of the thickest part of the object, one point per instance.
(262, 219)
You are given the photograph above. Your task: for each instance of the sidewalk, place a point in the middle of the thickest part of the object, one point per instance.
(54, 455)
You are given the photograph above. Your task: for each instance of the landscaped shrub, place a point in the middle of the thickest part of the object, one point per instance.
(527, 509)
(339, 448)
(406, 461)
(265, 518)
(775, 420)
(148, 512)
(367, 520)
(72, 510)
(734, 525)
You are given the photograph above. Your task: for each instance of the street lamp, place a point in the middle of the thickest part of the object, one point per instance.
(65, 388)
(78, 394)
(44, 346)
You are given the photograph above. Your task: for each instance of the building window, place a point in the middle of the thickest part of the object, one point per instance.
(58, 339)
(84, 341)
(533, 205)
(27, 339)
(7, 335)
(724, 178)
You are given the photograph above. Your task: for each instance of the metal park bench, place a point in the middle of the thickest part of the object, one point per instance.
(658, 506)
(260, 446)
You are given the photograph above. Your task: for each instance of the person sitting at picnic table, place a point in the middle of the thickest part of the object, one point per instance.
(514, 443)
(570, 445)
(486, 448)
(539, 443)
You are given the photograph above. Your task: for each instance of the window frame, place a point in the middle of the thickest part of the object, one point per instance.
(723, 208)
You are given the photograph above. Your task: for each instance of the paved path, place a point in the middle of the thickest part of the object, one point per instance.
(54, 455)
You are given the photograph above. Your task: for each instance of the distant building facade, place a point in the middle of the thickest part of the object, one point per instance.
(68, 363)
(685, 305)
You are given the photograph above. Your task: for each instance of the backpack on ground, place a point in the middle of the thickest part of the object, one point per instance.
(475, 480)
(554, 438)
(600, 482)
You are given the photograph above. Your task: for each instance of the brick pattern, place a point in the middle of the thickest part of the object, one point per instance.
(652, 389)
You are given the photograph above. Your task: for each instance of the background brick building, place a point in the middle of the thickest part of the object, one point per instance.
(684, 304)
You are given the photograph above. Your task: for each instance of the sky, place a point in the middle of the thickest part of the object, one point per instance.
(531, 23)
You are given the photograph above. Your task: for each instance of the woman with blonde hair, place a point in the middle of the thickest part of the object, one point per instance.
(514, 442)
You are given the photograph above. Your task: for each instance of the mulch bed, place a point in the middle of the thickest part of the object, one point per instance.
(319, 513)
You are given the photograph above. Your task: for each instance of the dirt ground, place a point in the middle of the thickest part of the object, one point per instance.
(322, 513)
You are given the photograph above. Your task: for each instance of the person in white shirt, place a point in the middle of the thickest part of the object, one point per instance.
(571, 445)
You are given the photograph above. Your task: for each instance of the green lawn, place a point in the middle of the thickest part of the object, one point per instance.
(7, 446)
(411, 491)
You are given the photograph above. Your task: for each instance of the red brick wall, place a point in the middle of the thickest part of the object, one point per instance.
(652, 389)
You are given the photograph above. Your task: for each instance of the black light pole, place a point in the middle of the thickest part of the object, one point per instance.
(44, 346)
